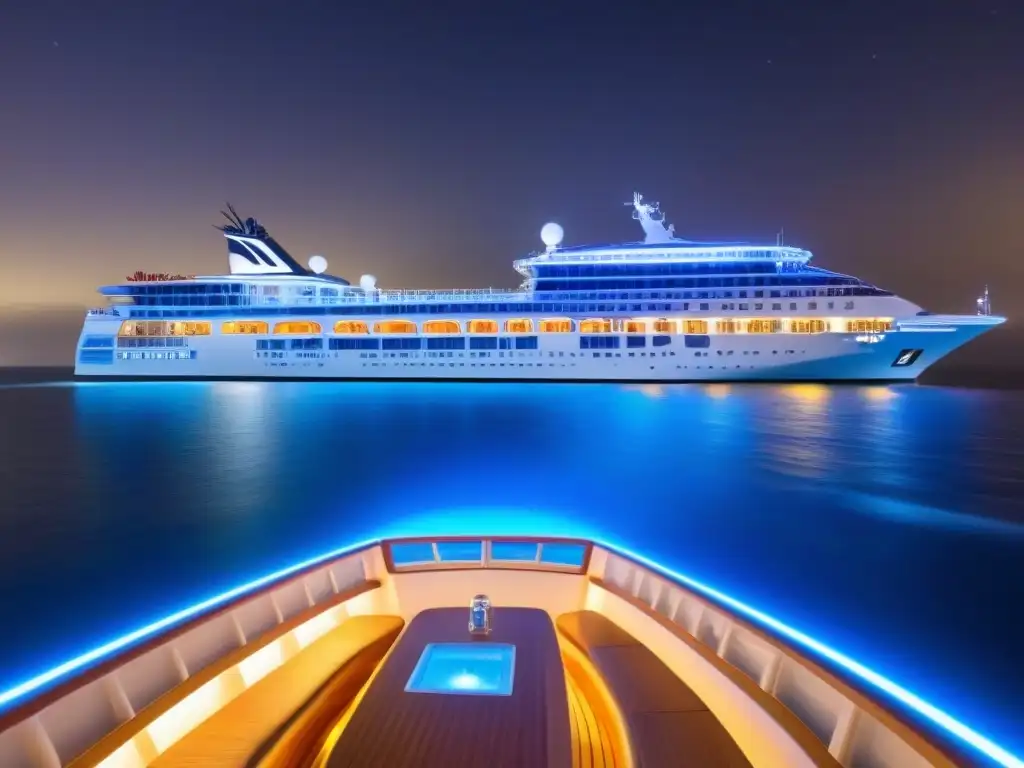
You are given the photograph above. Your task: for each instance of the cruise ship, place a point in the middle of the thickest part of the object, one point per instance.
(663, 309)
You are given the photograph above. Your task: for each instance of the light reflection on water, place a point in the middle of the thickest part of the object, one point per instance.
(859, 514)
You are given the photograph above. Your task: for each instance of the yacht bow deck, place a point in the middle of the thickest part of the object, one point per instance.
(615, 664)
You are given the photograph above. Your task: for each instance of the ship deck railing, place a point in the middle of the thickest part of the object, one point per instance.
(676, 251)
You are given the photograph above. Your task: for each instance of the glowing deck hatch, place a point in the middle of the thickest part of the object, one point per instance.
(472, 669)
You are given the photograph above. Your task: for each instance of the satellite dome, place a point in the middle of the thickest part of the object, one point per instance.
(317, 264)
(551, 234)
(368, 282)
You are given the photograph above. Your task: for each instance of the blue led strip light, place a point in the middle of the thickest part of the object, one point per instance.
(917, 704)
(901, 694)
(120, 643)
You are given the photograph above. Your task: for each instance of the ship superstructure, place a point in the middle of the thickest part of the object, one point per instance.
(664, 309)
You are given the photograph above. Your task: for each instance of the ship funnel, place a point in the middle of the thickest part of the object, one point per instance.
(252, 251)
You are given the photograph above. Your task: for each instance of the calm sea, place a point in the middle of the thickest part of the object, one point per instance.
(887, 522)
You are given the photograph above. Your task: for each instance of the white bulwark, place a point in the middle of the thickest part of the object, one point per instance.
(664, 310)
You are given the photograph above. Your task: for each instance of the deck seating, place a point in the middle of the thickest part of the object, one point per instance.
(668, 723)
(247, 729)
(598, 738)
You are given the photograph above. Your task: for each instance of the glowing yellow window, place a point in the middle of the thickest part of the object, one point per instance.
(726, 326)
(556, 325)
(808, 326)
(695, 326)
(189, 329)
(869, 326)
(519, 325)
(244, 326)
(351, 326)
(442, 326)
(144, 328)
(636, 326)
(873, 326)
(483, 326)
(764, 326)
(297, 326)
(395, 326)
(665, 326)
(595, 326)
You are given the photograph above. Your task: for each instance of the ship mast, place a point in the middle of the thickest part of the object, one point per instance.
(984, 304)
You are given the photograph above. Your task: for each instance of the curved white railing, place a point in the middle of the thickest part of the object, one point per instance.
(856, 729)
(52, 728)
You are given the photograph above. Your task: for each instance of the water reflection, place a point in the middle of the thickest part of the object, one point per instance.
(653, 391)
(908, 513)
(243, 460)
(717, 391)
(883, 460)
(879, 394)
(807, 394)
(801, 435)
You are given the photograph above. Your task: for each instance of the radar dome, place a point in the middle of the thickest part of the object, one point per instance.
(551, 234)
(367, 282)
(317, 264)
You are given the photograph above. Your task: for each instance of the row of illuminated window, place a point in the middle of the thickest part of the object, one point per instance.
(164, 328)
(615, 325)
(801, 325)
(150, 328)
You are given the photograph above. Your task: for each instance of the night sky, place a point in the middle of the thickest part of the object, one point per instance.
(427, 144)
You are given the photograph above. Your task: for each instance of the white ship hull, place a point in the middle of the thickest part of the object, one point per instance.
(899, 355)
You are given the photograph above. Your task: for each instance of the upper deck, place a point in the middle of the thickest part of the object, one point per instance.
(677, 251)
(660, 246)
(265, 277)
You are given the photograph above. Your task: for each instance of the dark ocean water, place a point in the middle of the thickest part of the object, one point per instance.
(887, 522)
